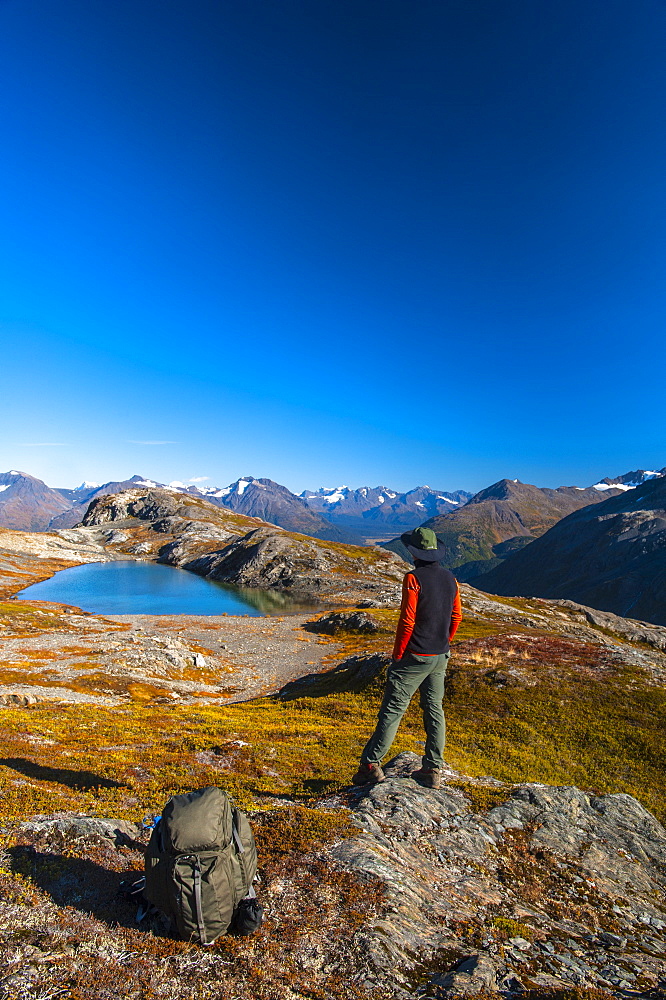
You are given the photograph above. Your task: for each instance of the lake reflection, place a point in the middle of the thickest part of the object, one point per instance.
(143, 588)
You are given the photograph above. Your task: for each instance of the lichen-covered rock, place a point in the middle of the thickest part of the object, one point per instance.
(18, 699)
(343, 621)
(70, 827)
(551, 887)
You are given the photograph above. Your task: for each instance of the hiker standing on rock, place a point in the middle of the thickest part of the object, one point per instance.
(429, 617)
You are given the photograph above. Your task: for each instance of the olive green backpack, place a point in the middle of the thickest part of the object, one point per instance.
(200, 864)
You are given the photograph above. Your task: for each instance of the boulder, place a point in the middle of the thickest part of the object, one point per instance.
(69, 826)
(343, 621)
(353, 674)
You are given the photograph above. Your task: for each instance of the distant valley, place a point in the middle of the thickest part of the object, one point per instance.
(603, 545)
(376, 513)
(358, 516)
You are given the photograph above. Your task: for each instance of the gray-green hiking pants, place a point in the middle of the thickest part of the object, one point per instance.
(404, 677)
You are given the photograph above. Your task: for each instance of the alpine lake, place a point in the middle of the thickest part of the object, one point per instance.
(144, 588)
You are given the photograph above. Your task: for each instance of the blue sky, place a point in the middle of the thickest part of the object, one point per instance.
(346, 241)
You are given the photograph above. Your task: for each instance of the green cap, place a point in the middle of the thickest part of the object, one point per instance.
(424, 538)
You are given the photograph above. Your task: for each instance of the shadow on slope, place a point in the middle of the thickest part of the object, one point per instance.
(77, 882)
(85, 781)
(354, 674)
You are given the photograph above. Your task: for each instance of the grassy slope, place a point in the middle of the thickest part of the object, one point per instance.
(602, 729)
(604, 733)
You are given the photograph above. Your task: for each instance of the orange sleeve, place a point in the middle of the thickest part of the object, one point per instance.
(456, 614)
(410, 599)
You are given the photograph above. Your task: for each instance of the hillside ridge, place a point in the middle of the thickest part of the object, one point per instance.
(611, 556)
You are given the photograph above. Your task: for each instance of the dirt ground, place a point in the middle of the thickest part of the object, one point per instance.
(78, 657)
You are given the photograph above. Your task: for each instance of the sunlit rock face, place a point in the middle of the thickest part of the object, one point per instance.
(193, 533)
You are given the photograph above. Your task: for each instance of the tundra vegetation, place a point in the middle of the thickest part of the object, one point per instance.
(535, 693)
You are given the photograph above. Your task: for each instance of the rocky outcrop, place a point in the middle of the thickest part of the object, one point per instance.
(307, 569)
(82, 497)
(479, 889)
(344, 621)
(194, 534)
(549, 888)
(634, 631)
(611, 556)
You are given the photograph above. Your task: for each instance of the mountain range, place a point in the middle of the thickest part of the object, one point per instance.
(610, 556)
(508, 516)
(592, 552)
(603, 545)
(343, 515)
(374, 513)
(261, 498)
(275, 503)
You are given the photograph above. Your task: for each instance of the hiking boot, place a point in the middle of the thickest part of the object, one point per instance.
(368, 774)
(429, 777)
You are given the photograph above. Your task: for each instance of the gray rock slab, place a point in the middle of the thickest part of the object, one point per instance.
(552, 861)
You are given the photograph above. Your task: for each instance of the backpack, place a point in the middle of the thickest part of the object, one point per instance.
(200, 864)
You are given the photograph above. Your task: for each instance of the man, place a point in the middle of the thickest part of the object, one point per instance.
(429, 617)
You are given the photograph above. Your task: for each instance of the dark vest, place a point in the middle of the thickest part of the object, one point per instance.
(433, 611)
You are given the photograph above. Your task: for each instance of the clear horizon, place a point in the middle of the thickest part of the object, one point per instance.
(206, 481)
(334, 242)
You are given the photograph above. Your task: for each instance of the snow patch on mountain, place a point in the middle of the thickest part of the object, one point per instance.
(335, 497)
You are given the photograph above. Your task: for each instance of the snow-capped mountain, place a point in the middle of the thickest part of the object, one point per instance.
(629, 481)
(196, 490)
(343, 500)
(80, 493)
(27, 503)
(275, 503)
(372, 510)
